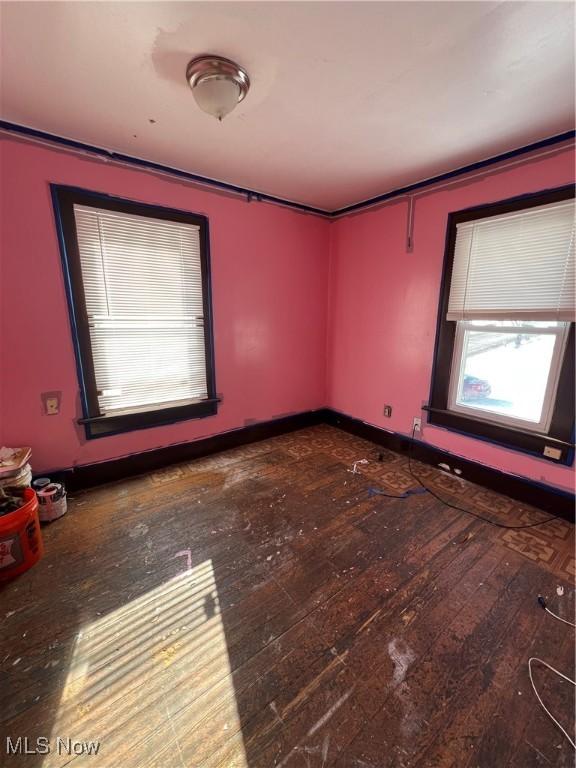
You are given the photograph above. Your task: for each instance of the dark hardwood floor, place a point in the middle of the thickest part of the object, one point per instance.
(263, 607)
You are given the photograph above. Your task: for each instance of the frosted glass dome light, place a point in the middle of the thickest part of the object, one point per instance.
(218, 84)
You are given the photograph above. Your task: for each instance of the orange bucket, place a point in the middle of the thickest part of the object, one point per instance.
(20, 538)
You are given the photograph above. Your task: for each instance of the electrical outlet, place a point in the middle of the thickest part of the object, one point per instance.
(387, 411)
(51, 403)
(552, 453)
(417, 424)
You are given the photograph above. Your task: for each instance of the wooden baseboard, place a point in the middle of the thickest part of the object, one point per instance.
(536, 494)
(89, 475)
(539, 495)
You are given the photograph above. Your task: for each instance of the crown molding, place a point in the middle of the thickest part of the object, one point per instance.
(254, 195)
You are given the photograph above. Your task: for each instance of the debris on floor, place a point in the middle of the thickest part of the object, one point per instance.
(354, 469)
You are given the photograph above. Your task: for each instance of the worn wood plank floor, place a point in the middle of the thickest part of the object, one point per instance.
(262, 607)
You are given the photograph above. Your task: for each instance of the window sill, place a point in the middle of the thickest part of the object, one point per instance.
(105, 426)
(516, 439)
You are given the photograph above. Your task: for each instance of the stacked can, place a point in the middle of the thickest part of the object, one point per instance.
(51, 499)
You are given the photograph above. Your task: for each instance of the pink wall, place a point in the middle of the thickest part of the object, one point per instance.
(307, 313)
(383, 307)
(270, 280)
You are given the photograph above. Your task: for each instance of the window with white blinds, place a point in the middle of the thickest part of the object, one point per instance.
(515, 266)
(142, 281)
(504, 368)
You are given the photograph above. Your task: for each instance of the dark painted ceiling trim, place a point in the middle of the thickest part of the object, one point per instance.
(457, 172)
(251, 194)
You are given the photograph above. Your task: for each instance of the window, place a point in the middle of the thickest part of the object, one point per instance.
(507, 372)
(504, 366)
(139, 293)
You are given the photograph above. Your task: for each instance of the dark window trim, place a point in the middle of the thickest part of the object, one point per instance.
(562, 424)
(95, 424)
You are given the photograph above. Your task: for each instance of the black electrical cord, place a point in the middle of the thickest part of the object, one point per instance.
(455, 506)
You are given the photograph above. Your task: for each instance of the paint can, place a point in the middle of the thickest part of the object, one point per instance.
(40, 482)
(51, 501)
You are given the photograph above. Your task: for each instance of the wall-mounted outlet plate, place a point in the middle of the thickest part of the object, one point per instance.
(417, 424)
(51, 403)
(552, 453)
(387, 411)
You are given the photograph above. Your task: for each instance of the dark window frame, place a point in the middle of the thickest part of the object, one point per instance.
(561, 432)
(95, 424)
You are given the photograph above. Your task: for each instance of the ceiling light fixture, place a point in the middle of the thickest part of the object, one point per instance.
(218, 84)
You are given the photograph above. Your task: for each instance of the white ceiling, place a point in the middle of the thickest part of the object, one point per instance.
(348, 99)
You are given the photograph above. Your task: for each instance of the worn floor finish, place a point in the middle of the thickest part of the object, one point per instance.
(262, 608)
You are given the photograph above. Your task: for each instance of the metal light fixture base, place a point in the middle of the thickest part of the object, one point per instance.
(210, 67)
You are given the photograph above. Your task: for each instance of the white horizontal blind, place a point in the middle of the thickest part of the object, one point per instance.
(518, 266)
(142, 280)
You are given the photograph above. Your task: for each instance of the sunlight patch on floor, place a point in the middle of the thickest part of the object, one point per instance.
(144, 671)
